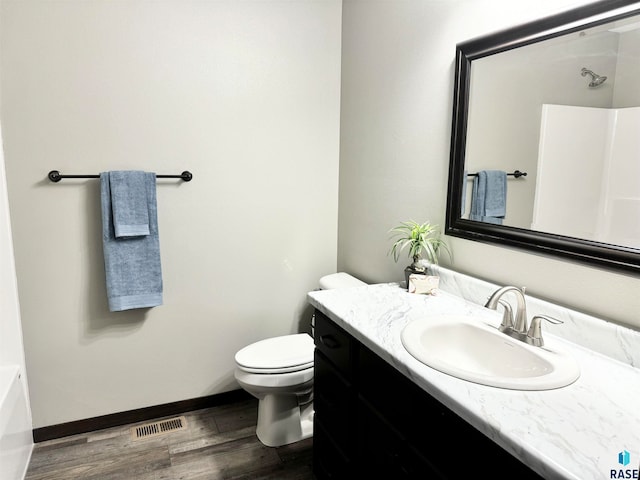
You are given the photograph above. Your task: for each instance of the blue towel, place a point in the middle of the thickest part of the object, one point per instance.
(129, 203)
(489, 196)
(463, 200)
(132, 264)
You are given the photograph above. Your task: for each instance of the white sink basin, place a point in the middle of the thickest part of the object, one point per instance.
(474, 351)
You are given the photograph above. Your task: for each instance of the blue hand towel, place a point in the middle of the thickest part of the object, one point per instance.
(489, 196)
(132, 264)
(129, 203)
(463, 200)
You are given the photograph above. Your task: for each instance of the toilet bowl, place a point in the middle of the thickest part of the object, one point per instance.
(278, 371)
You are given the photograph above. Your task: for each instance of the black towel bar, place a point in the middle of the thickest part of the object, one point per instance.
(55, 176)
(516, 174)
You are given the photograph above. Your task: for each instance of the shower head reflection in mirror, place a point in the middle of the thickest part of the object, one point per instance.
(596, 80)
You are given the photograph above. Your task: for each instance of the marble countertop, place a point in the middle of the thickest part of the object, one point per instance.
(575, 432)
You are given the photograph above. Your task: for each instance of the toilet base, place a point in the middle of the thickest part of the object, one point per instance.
(282, 420)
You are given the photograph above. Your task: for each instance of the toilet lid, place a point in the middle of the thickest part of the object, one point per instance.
(285, 354)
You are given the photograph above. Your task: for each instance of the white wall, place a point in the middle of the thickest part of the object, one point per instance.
(569, 198)
(11, 337)
(16, 439)
(397, 83)
(627, 71)
(601, 202)
(243, 94)
(622, 193)
(11, 341)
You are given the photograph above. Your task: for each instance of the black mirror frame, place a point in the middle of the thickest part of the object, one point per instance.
(581, 250)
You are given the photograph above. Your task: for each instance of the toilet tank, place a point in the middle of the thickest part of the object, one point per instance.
(339, 280)
(333, 281)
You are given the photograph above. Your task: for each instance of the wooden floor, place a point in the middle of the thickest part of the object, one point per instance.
(218, 443)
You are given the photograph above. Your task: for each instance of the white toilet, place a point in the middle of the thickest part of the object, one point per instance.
(278, 371)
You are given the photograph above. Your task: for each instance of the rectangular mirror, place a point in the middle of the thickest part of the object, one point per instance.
(545, 148)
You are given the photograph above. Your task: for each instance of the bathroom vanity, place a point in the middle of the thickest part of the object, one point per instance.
(380, 412)
(372, 422)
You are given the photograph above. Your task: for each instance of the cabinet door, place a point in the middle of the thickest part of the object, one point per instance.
(447, 441)
(385, 453)
(328, 461)
(333, 403)
(335, 344)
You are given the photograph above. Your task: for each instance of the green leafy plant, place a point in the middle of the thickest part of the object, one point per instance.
(422, 241)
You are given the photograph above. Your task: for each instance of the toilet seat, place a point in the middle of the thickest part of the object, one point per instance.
(276, 371)
(276, 355)
(300, 381)
(279, 372)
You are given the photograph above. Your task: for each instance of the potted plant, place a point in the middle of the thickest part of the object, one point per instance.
(423, 243)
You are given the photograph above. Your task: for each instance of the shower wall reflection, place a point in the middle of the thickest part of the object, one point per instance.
(588, 182)
(508, 91)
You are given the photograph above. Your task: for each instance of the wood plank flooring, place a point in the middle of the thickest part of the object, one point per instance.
(218, 443)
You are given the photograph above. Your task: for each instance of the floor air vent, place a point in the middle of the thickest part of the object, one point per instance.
(155, 429)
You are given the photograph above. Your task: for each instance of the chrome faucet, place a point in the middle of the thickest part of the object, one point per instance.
(534, 335)
(517, 327)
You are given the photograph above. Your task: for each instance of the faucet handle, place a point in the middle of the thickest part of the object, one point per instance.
(534, 334)
(507, 317)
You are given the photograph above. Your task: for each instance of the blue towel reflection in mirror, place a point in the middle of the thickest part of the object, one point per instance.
(489, 196)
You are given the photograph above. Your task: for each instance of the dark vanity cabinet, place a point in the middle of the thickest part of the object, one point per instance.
(334, 401)
(372, 422)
